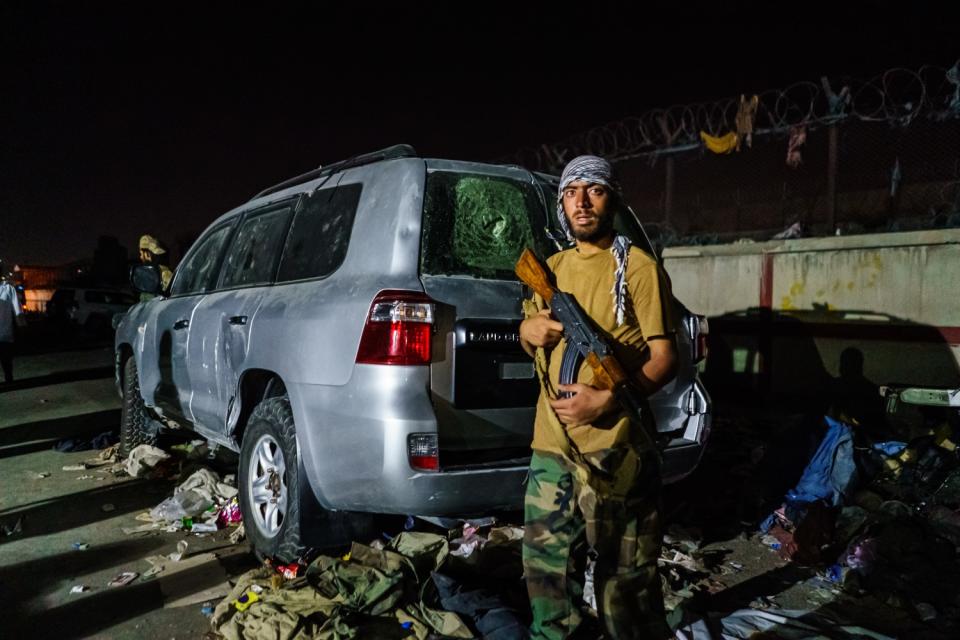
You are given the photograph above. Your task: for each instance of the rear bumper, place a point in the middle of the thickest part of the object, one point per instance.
(679, 461)
(352, 443)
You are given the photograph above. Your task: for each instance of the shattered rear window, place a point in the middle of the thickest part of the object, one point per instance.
(478, 225)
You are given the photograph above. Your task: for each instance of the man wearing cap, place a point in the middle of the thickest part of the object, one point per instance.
(150, 253)
(594, 480)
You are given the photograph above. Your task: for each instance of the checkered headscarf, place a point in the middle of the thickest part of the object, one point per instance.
(596, 170)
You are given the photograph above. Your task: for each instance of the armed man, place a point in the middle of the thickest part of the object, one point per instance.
(152, 252)
(594, 480)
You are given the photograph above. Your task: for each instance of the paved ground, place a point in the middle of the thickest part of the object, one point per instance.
(71, 394)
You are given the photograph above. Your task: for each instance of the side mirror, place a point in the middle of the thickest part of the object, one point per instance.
(145, 278)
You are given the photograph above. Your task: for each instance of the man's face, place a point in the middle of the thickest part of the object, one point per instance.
(589, 210)
(145, 256)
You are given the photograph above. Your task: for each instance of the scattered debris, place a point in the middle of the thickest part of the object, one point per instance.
(178, 555)
(764, 602)
(243, 602)
(123, 579)
(230, 513)
(74, 467)
(153, 526)
(926, 611)
(16, 528)
(80, 546)
(156, 566)
(100, 441)
(793, 231)
(374, 587)
(203, 494)
(107, 507)
(110, 455)
(142, 459)
(79, 588)
(757, 623)
(238, 534)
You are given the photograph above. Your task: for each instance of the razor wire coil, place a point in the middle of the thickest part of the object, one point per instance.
(897, 96)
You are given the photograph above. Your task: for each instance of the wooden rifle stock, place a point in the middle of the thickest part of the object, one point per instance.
(608, 373)
(532, 272)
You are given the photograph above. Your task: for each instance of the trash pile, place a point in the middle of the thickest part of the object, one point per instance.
(203, 503)
(415, 584)
(881, 518)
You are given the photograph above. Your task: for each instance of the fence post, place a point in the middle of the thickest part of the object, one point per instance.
(668, 194)
(832, 179)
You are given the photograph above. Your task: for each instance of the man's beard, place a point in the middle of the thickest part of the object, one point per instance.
(603, 229)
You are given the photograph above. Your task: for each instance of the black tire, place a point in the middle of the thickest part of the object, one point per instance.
(136, 426)
(269, 495)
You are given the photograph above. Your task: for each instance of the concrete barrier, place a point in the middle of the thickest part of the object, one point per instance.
(805, 317)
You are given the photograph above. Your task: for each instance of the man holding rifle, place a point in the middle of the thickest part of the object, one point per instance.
(594, 474)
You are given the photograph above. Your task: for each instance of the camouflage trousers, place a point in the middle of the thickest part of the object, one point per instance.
(626, 581)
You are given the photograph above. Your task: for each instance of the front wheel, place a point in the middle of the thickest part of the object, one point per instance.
(136, 426)
(269, 482)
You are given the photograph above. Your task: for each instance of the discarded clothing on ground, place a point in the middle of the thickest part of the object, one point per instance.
(101, 441)
(207, 484)
(369, 593)
(783, 624)
(104, 457)
(196, 495)
(495, 619)
(143, 458)
(830, 476)
(919, 471)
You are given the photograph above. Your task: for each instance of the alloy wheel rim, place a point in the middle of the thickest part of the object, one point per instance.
(267, 486)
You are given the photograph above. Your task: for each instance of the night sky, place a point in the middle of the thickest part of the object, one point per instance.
(115, 122)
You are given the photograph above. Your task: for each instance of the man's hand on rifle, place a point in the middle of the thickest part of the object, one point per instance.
(585, 406)
(541, 330)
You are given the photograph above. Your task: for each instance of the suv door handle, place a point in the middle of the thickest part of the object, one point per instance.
(238, 319)
(181, 324)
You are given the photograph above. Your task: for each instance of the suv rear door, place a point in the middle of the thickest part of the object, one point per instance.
(167, 381)
(222, 320)
(477, 220)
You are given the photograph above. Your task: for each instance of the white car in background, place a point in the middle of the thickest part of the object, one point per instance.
(92, 309)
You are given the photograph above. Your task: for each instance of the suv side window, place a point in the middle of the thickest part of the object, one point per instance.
(320, 234)
(196, 273)
(252, 257)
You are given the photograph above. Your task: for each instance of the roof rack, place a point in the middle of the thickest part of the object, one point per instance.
(390, 153)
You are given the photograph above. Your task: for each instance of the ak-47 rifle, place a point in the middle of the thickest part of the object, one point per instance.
(584, 340)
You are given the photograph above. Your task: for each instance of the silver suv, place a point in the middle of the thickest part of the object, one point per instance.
(353, 334)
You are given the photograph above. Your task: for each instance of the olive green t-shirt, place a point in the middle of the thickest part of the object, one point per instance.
(649, 314)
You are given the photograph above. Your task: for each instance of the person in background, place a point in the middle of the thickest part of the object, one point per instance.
(10, 315)
(151, 252)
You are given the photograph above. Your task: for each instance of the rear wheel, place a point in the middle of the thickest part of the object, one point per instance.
(136, 426)
(269, 481)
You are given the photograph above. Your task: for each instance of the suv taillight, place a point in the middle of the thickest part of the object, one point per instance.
(398, 329)
(422, 452)
(700, 338)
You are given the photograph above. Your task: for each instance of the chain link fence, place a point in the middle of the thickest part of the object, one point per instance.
(822, 158)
